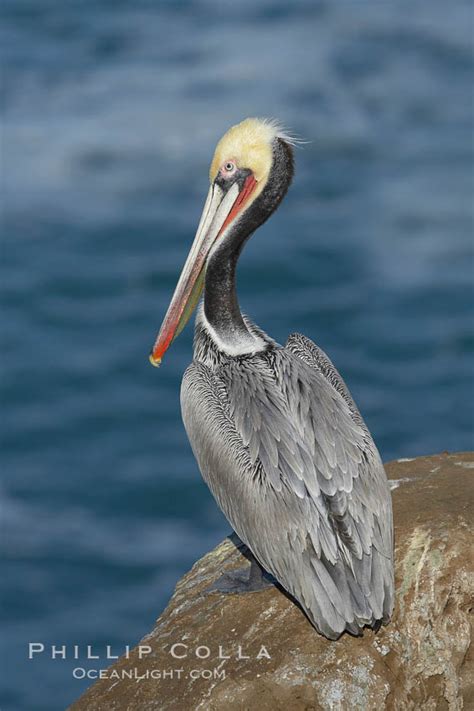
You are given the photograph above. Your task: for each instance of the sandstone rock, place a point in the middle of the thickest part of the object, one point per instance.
(419, 661)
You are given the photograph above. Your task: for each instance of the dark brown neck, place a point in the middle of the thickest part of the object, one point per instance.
(221, 306)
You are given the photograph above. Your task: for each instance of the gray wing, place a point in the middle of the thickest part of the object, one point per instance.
(294, 469)
(364, 509)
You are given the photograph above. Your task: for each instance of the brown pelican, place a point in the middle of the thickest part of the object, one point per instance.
(276, 433)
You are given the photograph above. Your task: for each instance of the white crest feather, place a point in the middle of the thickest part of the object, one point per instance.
(281, 132)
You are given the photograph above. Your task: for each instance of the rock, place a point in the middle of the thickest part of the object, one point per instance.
(419, 661)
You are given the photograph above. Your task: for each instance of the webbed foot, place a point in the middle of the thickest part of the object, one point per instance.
(243, 580)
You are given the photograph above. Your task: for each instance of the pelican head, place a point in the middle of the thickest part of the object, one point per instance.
(250, 173)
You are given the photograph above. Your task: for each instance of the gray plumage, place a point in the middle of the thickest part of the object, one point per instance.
(287, 456)
(275, 431)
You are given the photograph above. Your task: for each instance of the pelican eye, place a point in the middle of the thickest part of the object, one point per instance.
(229, 167)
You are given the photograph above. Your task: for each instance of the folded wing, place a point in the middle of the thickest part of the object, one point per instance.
(291, 463)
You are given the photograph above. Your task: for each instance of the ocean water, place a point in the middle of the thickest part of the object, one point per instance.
(112, 112)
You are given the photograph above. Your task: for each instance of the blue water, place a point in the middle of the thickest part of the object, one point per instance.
(112, 113)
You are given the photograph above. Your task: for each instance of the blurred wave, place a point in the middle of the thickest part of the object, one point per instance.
(112, 111)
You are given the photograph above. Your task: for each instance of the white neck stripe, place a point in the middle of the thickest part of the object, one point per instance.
(241, 345)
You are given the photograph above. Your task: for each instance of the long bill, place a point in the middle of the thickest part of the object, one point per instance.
(220, 209)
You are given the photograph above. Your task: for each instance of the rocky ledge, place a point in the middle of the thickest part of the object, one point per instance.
(258, 651)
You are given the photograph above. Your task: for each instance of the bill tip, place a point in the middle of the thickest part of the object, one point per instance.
(156, 362)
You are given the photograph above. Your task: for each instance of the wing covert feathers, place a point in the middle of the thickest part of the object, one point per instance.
(291, 463)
